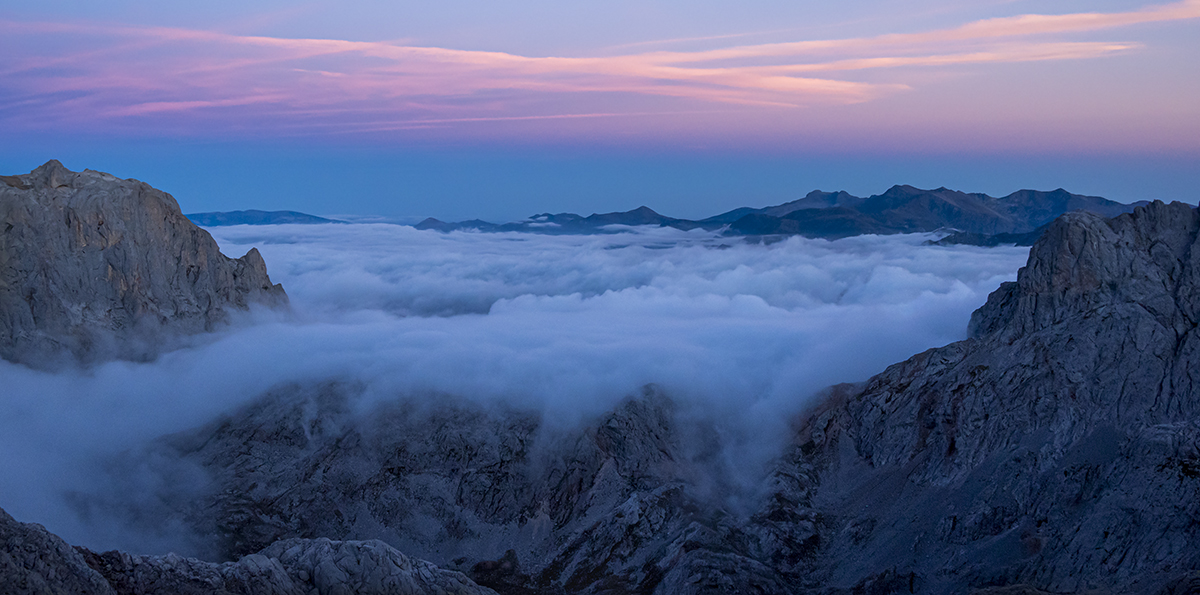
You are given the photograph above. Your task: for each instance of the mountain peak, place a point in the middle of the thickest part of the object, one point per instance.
(1084, 260)
(165, 277)
(51, 174)
(902, 190)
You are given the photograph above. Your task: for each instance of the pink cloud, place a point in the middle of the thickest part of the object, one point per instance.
(122, 73)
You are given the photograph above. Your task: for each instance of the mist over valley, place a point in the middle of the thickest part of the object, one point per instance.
(738, 333)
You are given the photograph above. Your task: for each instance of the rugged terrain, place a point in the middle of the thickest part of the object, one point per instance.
(94, 267)
(1058, 449)
(35, 561)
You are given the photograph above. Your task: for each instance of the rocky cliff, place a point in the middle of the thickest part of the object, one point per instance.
(97, 267)
(1058, 448)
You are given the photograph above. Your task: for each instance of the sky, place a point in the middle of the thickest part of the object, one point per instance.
(472, 108)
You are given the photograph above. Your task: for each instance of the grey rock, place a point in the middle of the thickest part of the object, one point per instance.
(1056, 449)
(98, 267)
(34, 561)
(289, 567)
(365, 568)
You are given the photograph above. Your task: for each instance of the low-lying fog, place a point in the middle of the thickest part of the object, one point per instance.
(569, 324)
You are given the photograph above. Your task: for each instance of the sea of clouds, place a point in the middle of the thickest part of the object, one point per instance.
(570, 324)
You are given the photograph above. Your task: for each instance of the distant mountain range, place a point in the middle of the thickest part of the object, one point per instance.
(971, 218)
(975, 218)
(253, 217)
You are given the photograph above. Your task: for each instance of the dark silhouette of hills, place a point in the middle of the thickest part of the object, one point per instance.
(971, 218)
(255, 217)
(905, 209)
(565, 223)
(974, 217)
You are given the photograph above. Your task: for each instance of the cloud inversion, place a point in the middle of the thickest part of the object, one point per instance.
(567, 325)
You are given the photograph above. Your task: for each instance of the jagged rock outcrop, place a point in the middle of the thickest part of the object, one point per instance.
(1055, 451)
(288, 567)
(1059, 448)
(34, 561)
(98, 267)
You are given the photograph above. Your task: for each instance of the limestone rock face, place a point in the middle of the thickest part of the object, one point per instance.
(1057, 449)
(97, 267)
(289, 567)
(34, 561)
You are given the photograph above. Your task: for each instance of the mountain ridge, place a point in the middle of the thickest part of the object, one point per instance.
(981, 218)
(971, 218)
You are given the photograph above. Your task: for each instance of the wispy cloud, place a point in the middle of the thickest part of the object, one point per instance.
(113, 73)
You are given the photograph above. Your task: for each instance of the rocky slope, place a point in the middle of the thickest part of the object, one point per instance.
(98, 267)
(33, 561)
(1058, 448)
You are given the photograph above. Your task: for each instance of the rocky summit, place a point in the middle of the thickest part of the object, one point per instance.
(95, 267)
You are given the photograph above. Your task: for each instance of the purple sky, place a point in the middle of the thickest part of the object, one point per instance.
(477, 108)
